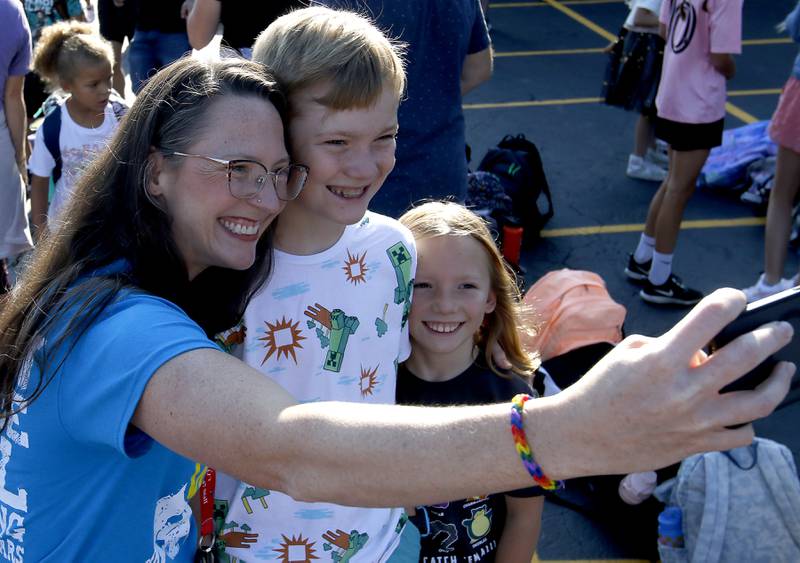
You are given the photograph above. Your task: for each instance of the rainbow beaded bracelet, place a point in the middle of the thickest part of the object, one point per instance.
(524, 450)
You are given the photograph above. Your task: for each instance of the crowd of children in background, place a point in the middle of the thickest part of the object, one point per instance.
(465, 299)
(73, 59)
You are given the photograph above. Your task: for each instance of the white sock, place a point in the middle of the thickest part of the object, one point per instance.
(661, 268)
(644, 251)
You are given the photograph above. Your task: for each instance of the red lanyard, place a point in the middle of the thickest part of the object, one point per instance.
(207, 510)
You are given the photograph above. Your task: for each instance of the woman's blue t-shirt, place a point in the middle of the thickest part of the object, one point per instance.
(77, 481)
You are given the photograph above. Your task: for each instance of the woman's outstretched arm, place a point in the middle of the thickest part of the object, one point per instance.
(649, 403)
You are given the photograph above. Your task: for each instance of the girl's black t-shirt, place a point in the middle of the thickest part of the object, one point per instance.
(469, 529)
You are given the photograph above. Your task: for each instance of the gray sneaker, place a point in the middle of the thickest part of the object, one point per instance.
(641, 169)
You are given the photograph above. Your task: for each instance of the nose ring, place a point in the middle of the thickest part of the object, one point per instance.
(258, 200)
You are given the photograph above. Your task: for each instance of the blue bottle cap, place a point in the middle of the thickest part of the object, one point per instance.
(670, 522)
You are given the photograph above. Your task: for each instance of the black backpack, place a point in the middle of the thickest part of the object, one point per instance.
(517, 163)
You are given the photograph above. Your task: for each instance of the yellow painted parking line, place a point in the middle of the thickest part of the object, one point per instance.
(739, 113)
(533, 103)
(542, 3)
(732, 109)
(771, 41)
(599, 50)
(548, 52)
(638, 227)
(761, 92)
(586, 22)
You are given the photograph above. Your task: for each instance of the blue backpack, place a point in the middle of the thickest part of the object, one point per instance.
(51, 126)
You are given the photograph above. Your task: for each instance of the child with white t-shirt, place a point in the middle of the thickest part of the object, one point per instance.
(632, 77)
(331, 322)
(73, 57)
(701, 37)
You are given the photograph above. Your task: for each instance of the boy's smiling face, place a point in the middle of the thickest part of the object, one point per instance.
(349, 153)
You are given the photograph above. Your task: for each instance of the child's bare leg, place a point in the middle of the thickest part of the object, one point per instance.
(779, 213)
(684, 168)
(644, 135)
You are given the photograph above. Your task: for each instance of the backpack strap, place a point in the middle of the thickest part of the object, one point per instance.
(119, 109)
(118, 105)
(51, 133)
(785, 491)
(711, 535)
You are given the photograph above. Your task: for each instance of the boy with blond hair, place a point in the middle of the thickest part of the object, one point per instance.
(331, 322)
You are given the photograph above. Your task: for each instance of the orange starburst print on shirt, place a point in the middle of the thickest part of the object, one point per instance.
(355, 268)
(296, 550)
(282, 337)
(368, 380)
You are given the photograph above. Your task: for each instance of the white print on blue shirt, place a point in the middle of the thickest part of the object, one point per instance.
(171, 525)
(14, 504)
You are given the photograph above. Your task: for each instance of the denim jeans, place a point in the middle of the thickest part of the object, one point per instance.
(151, 50)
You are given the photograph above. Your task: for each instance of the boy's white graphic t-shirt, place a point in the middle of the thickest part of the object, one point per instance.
(330, 326)
(79, 145)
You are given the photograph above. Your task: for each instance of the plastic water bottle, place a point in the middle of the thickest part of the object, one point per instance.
(512, 240)
(670, 527)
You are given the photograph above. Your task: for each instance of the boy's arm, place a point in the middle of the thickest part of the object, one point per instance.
(724, 63)
(40, 188)
(521, 531)
(14, 103)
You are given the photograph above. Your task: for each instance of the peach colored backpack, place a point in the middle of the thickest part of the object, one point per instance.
(574, 309)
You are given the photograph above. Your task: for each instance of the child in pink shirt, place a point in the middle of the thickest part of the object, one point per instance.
(701, 37)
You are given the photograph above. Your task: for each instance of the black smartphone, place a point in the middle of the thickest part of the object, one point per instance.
(783, 306)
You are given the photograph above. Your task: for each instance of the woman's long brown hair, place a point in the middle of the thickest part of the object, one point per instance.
(110, 218)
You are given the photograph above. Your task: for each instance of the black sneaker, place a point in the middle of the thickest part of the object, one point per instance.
(635, 271)
(671, 292)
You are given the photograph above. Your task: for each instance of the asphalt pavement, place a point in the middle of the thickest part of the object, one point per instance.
(548, 72)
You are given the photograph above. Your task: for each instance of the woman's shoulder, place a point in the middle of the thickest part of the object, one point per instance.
(135, 305)
(117, 303)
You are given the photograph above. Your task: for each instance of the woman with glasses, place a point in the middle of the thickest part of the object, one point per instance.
(111, 386)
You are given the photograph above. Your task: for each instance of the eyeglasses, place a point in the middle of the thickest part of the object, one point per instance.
(246, 178)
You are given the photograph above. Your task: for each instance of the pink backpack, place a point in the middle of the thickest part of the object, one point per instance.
(574, 309)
